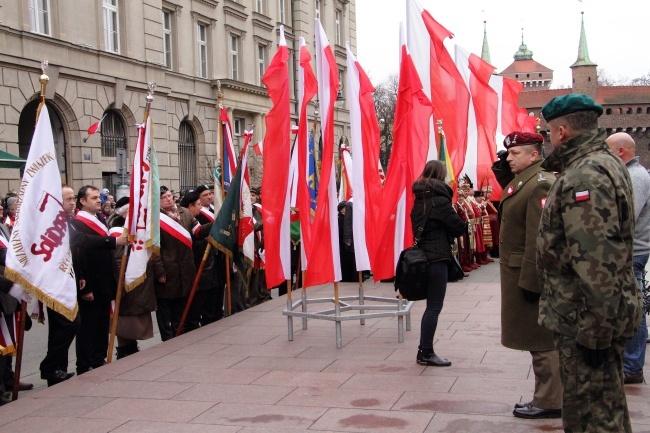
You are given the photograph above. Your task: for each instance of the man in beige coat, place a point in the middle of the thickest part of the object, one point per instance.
(521, 208)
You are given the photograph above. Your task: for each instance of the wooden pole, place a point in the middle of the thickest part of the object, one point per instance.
(120, 283)
(118, 298)
(19, 350)
(190, 298)
(228, 293)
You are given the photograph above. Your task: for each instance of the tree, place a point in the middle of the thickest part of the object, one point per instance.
(385, 102)
(643, 80)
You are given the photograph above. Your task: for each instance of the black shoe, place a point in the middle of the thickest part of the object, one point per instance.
(57, 376)
(431, 359)
(531, 412)
(633, 378)
(81, 371)
(520, 405)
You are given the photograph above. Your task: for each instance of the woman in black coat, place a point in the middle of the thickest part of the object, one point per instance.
(433, 210)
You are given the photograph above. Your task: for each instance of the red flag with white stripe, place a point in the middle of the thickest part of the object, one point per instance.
(246, 240)
(275, 213)
(409, 155)
(324, 261)
(364, 140)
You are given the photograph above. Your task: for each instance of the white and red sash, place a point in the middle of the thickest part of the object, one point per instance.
(206, 213)
(116, 232)
(171, 227)
(4, 242)
(92, 222)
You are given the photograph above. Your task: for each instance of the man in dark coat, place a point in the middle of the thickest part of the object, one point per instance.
(97, 285)
(521, 208)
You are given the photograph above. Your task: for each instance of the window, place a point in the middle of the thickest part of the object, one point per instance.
(39, 16)
(238, 126)
(234, 57)
(282, 10)
(167, 38)
(259, 6)
(261, 63)
(186, 156)
(113, 135)
(338, 27)
(202, 45)
(111, 26)
(318, 9)
(341, 94)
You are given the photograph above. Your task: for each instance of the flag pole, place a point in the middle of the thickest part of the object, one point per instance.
(44, 79)
(190, 298)
(120, 283)
(337, 310)
(220, 151)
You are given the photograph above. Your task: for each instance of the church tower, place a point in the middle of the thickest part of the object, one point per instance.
(584, 70)
(485, 51)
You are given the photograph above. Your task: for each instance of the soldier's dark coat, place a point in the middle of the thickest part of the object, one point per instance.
(521, 210)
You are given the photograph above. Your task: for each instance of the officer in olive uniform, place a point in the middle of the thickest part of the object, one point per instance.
(590, 298)
(521, 206)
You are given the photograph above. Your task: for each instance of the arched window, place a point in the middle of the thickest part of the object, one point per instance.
(113, 133)
(186, 157)
(639, 110)
(608, 111)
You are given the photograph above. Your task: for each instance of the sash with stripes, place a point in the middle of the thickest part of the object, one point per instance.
(116, 232)
(176, 230)
(206, 213)
(91, 221)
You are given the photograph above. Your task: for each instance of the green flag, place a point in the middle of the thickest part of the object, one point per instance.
(225, 229)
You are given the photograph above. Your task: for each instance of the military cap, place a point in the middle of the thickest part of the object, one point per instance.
(121, 202)
(189, 198)
(567, 104)
(518, 138)
(199, 189)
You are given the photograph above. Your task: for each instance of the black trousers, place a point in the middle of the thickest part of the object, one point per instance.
(168, 316)
(436, 290)
(61, 332)
(92, 336)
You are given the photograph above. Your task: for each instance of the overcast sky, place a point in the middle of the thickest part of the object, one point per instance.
(616, 31)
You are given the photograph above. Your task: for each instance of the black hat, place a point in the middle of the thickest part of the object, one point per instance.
(122, 202)
(163, 189)
(189, 198)
(199, 189)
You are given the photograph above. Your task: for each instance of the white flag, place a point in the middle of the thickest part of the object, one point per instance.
(38, 257)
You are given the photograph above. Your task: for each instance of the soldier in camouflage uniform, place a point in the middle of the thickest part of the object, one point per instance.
(590, 299)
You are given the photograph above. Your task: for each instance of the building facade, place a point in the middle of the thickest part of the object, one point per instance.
(102, 54)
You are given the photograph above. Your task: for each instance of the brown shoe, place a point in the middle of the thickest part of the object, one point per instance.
(22, 386)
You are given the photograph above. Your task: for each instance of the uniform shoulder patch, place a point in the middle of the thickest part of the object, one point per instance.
(582, 195)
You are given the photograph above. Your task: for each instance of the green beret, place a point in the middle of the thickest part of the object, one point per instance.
(567, 104)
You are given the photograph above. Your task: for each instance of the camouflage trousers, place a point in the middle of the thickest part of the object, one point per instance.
(593, 399)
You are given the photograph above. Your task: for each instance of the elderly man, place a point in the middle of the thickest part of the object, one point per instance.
(522, 202)
(590, 298)
(623, 146)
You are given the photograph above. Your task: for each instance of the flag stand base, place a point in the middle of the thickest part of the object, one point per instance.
(345, 311)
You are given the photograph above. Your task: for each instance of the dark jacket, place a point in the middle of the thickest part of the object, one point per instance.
(442, 223)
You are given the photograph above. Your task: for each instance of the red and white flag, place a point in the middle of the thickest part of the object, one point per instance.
(7, 337)
(324, 261)
(364, 140)
(409, 155)
(307, 88)
(441, 81)
(39, 258)
(94, 128)
(143, 220)
(275, 213)
(345, 184)
(259, 148)
(246, 239)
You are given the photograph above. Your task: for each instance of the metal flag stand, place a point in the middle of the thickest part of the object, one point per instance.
(344, 308)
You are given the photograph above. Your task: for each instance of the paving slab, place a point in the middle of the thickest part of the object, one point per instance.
(242, 375)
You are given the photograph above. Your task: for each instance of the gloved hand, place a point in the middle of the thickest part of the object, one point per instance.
(501, 169)
(531, 297)
(594, 357)
(503, 163)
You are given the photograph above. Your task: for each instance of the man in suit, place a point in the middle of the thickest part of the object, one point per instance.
(521, 208)
(96, 280)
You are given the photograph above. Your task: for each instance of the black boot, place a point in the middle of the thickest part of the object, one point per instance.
(428, 357)
(129, 349)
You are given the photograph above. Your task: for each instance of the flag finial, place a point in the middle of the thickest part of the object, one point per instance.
(44, 78)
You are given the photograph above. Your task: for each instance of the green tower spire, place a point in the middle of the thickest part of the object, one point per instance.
(485, 52)
(524, 53)
(583, 52)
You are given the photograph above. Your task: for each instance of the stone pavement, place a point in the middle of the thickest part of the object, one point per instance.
(241, 374)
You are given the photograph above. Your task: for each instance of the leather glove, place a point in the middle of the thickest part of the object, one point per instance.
(501, 169)
(531, 297)
(593, 357)
(503, 159)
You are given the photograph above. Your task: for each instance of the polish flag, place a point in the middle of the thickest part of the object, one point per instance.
(409, 155)
(345, 185)
(307, 88)
(441, 81)
(325, 265)
(94, 128)
(258, 148)
(364, 140)
(246, 239)
(482, 114)
(275, 213)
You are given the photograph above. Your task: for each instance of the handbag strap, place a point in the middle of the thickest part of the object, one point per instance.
(416, 237)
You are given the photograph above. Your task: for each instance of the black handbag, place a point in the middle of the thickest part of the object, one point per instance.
(454, 270)
(411, 277)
